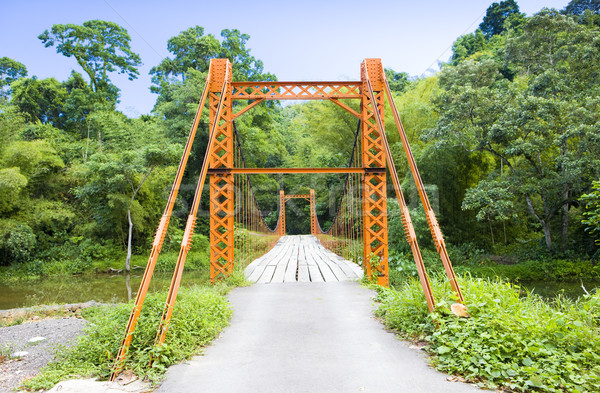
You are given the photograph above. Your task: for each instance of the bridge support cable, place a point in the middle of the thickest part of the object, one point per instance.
(434, 227)
(253, 237)
(188, 233)
(409, 230)
(431, 218)
(159, 238)
(343, 236)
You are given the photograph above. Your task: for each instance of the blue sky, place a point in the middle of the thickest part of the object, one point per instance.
(297, 40)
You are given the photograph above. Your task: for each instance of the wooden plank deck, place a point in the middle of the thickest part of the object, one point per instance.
(301, 258)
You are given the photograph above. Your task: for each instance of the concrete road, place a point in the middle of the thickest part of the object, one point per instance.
(307, 337)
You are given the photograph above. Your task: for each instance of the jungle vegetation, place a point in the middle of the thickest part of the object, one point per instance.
(506, 135)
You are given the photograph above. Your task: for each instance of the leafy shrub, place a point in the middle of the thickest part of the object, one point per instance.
(199, 315)
(17, 241)
(550, 269)
(522, 343)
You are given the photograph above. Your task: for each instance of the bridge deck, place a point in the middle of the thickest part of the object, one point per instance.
(301, 258)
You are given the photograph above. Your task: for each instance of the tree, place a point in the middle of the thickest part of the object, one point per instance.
(540, 128)
(398, 81)
(113, 182)
(193, 50)
(467, 45)
(12, 183)
(592, 213)
(100, 47)
(578, 7)
(492, 202)
(10, 71)
(496, 15)
(11, 124)
(585, 12)
(41, 100)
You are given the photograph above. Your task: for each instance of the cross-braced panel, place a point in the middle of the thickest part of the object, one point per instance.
(221, 185)
(375, 241)
(295, 90)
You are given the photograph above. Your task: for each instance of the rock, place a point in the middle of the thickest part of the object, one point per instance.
(126, 377)
(460, 310)
(93, 386)
(36, 339)
(19, 354)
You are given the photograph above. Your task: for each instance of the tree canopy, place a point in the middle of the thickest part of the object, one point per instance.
(10, 71)
(496, 15)
(100, 47)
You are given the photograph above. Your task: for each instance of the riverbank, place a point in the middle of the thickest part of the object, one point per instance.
(27, 347)
(200, 314)
(114, 264)
(512, 340)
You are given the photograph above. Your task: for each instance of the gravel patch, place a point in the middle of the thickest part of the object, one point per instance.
(35, 354)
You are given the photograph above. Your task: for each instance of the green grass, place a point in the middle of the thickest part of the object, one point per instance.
(199, 315)
(522, 343)
(36, 269)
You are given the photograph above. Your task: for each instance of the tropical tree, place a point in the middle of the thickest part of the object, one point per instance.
(541, 128)
(113, 184)
(496, 15)
(192, 50)
(10, 71)
(592, 213)
(100, 48)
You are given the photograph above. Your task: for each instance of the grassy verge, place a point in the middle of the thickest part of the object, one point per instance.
(403, 266)
(553, 269)
(200, 314)
(38, 269)
(524, 344)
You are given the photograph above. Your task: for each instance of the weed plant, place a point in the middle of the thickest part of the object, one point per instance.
(521, 343)
(200, 314)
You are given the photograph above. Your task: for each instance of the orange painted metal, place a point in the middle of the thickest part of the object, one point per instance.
(247, 108)
(375, 237)
(253, 171)
(283, 198)
(161, 232)
(345, 107)
(296, 90)
(221, 185)
(409, 230)
(281, 213)
(186, 242)
(434, 227)
(313, 213)
(297, 196)
(219, 164)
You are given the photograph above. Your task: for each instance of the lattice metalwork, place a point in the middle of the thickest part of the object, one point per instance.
(359, 228)
(221, 185)
(375, 240)
(296, 90)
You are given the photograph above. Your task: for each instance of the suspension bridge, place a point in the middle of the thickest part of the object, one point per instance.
(355, 244)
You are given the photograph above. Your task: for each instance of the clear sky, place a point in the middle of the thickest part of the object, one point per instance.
(297, 40)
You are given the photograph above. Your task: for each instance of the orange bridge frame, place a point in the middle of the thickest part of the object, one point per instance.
(218, 164)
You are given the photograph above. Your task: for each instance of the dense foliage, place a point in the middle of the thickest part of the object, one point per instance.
(502, 342)
(506, 138)
(200, 314)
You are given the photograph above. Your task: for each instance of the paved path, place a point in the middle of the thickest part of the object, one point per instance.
(301, 259)
(307, 337)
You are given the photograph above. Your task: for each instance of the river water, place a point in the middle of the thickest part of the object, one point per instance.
(103, 288)
(120, 287)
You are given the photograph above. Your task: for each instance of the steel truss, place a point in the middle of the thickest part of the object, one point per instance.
(218, 164)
